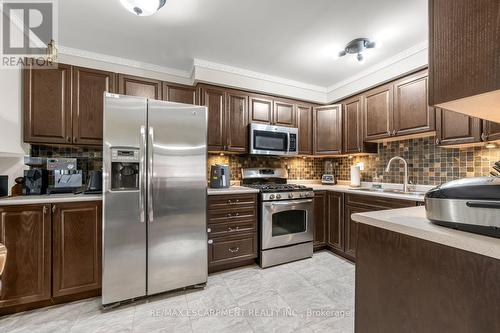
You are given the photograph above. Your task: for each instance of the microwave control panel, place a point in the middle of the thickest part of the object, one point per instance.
(293, 142)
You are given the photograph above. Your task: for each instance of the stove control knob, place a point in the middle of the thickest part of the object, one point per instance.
(271, 196)
(290, 195)
(278, 196)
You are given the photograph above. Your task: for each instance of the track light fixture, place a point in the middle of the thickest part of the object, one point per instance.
(357, 46)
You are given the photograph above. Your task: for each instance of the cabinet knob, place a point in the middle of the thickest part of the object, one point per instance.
(234, 249)
(53, 208)
(68, 139)
(484, 137)
(210, 241)
(438, 141)
(209, 230)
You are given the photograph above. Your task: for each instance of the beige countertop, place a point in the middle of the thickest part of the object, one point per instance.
(53, 198)
(413, 222)
(231, 190)
(345, 188)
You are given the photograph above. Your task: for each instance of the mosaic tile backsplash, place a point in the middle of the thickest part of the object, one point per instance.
(428, 164)
(88, 158)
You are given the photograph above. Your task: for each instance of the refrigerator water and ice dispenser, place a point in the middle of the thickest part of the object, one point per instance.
(125, 169)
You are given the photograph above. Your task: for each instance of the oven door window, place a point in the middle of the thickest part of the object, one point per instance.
(289, 222)
(272, 141)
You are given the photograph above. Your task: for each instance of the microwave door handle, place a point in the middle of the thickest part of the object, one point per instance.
(150, 174)
(288, 143)
(142, 175)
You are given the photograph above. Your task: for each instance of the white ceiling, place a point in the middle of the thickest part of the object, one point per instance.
(291, 39)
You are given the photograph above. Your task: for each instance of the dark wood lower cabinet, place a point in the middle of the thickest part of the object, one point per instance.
(407, 284)
(77, 235)
(232, 231)
(335, 203)
(334, 228)
(26, 232)
(53, 254)
(320, 219)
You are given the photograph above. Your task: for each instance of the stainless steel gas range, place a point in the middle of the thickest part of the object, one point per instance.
(286, 216)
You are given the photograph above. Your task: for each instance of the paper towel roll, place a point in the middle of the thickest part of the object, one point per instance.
(355, 176)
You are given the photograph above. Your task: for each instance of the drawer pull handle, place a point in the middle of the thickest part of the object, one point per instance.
(233, 229)
(234, 249)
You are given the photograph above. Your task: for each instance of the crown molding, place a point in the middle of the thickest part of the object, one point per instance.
(199, 63)
(124, 62)
(423, 46)
(216, 73)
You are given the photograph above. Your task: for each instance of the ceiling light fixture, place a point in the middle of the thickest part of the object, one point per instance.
(143, 7)
(357, 46)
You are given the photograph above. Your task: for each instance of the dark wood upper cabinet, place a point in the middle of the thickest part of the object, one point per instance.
(320, 219)
(327, 124)
(26, 232)
(236, 131)
(284, 113)
(335, 202)
(491, 131)
(261, 110)
(353, 138)
(305, 125)
(89, 86)
(377, 112)
(47, 105)
(464, 56)
(214, 99)
(77, 239)
(454, 128)
(412, 114)
(139, 86)
(179, 93)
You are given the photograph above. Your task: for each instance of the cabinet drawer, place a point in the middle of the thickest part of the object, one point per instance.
(226, 249)
(377, 203)
(228, 229)
(230, 215)
(233, 200)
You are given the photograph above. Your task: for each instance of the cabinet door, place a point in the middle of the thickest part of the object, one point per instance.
(463, 49)
(139, 86)
(77, 240)
(335, 202)
(320, 218)
(25, 231)
(351, 230)
(261, 110)
(89, 86)
(328, 130)
(179, 93)
(236, 131)
(214, 100)
(411, 111)
(377, 112)
(47, 105)
(353, 140)
(284, 114)
(491, 131)
(304, 123)
(455, 128)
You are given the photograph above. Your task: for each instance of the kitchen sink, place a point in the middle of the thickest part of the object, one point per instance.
(388, 190)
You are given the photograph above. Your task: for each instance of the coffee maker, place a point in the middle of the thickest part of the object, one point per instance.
(67, 178)
(36, 179)
(220, 176)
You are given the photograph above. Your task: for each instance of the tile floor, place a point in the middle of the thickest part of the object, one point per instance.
(312, 295)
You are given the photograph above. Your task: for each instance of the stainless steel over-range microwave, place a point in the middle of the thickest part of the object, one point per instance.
(273, 140)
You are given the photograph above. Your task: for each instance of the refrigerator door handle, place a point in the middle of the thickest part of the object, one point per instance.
(150, 174)
(142, 175)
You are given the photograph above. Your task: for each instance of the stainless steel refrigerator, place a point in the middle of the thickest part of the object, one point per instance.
(154, 188)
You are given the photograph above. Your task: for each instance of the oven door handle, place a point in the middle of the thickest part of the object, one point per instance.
(289, 202)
